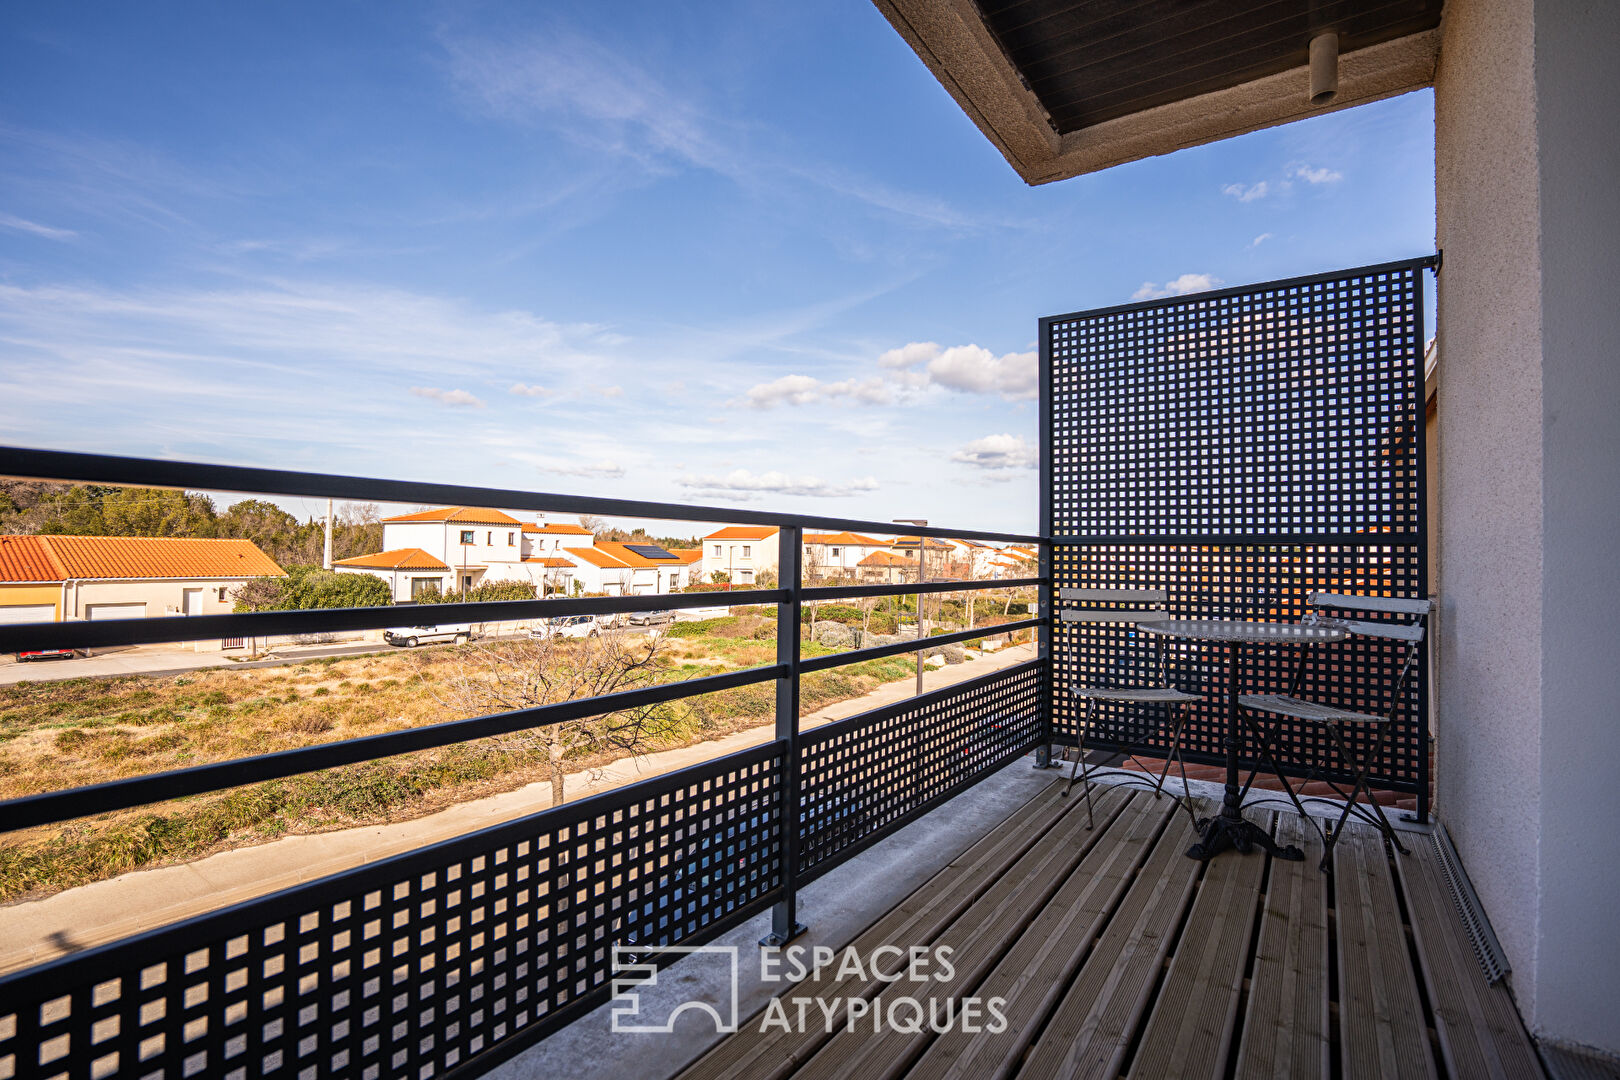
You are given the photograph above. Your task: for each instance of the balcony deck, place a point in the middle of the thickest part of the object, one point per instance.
(1119, 956)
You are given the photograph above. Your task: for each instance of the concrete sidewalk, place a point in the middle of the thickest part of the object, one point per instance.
(39, 930)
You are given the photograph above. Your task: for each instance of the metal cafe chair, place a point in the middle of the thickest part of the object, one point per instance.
(1334, 719)
(1144, 605)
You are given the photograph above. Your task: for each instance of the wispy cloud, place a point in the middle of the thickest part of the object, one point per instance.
(805, 390)
(611, 391)
(1262, 238)
(1247, 193)
(1181, 286)
(457, 398)
(742, 484)
(11, 221)
(597, 470)
(525, 390)
(998, 452)
(1316, 176)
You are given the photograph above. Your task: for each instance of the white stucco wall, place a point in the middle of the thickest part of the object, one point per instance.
(1525, 175)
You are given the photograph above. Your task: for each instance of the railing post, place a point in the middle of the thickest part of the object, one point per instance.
(785, 925)
(1043, 653)
(1044, 632)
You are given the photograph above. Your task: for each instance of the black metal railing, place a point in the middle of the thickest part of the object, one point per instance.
(447, 959)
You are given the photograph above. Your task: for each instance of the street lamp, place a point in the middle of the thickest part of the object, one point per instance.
(922, 570)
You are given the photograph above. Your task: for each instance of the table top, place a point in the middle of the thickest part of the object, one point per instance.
(1244, 631)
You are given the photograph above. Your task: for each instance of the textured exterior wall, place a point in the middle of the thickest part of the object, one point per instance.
(1528, 208)
(1486, 198)
(30, 595)
(1578, 111)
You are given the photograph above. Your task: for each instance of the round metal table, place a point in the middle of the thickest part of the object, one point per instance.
(1228, 828)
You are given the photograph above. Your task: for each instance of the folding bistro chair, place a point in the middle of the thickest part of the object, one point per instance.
(1145, 605)
(1335, 719)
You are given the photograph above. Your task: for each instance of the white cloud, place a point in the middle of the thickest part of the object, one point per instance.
(911, 368)
(1316, 176)
(998, 452)
(9, 221)
(1181, 286)
(612, 391)
(742, 484)
(1262, 238)
(448, 397)
(1246, 193)
(536, 390)
(599, 470)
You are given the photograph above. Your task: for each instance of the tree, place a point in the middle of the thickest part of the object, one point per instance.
(262, 522)
(506, 676)
(308, 587)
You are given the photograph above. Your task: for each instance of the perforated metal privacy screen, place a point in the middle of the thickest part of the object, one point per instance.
(1242, 449)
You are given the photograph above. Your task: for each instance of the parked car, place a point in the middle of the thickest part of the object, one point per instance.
(566, 626)
(412, 636)
(45, 654)
(649, 618)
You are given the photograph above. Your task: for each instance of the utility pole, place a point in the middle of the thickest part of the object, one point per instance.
(922, 570)
(326, 559)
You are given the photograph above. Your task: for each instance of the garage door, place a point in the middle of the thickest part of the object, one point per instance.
(97, 612)
(26, 613)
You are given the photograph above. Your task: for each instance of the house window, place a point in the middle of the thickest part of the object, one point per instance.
(467, 537)
(833, 552)
(717, 551)
(466, 583)
(748, 552)
(745, 577)
(420, 585)
(511, 539)
(489, 538)
(222, 594)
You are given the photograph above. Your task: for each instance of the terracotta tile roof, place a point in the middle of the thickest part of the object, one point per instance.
(742, 532)
(557, 530)
(157, 557)
(550, 561)
(26, 558)
(887, 558)
(847, 539)
(398, 559)
(623, 553)
(596, 557)
(467, 515)
(686, 555)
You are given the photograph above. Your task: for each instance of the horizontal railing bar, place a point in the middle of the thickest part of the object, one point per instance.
(80, 634)
(1348, 539)
(60, 465)
(842, 592)
(1420, 263)
(48, 808)
(151, 946)
(877, 652)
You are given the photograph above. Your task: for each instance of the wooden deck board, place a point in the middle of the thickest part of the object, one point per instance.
(1285, 1029)
(1114, 951)
(1190, 1029)
(1092, 1026)
(1381, 1028)
(754, 1055)
(977, 940)
(1479, 1029)
(1035, 973)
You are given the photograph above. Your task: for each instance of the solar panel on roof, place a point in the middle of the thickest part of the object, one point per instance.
(650, 551)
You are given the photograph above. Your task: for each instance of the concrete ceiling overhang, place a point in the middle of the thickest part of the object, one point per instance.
(1130, 79)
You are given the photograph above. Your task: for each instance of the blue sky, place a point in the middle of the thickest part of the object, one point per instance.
(698, 252)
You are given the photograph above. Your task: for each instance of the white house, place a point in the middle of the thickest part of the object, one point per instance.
(741, 551)
(631, 569)
(461, 547)
(837, 555)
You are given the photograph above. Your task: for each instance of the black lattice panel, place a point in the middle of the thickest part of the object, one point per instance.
(870, 773)
(1291, 408)
(1188, 439)
(418, 964)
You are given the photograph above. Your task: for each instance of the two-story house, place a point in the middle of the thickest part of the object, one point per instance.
(837, 555)
(452, 548)
(742, 552)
